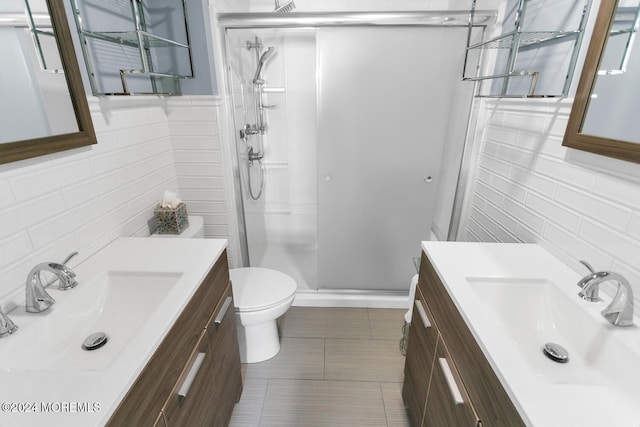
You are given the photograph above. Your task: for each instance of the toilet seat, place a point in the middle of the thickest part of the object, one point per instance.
(256, 288)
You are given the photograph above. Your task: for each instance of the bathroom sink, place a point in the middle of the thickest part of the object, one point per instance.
(532, 312)
(117, 303)
(515, 298)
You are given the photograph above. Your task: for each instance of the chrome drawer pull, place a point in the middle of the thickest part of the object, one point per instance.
(191, 376)
(451, 382)
(423, 314)
(223, 311)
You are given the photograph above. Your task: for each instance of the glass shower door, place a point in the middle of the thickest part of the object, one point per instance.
(383, 99)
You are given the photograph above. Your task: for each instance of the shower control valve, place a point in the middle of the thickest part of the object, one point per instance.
(248, 130)
(253, 156)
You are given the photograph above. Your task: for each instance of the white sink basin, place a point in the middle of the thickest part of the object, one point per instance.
(117, 303)
(533, 312)
(515, 298)
(134, 290)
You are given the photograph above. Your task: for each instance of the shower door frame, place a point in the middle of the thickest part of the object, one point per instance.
(316, 20)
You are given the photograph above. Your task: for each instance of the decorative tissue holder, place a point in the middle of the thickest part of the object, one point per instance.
(171, 220)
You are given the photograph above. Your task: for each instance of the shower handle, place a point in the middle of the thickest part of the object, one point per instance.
(248, 130)
(253, 156)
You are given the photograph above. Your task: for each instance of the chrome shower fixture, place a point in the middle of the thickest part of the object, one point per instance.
(261, 61)
(286, 7)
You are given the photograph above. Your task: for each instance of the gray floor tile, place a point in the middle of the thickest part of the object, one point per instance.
(386, 323)
(336, 367)
(334, 322)
(247, 412)
(394, 406)
(299, 358)
(323, 403)
(363, 360)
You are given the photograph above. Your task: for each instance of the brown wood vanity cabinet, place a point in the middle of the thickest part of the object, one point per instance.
(193, 378)
(447, 379)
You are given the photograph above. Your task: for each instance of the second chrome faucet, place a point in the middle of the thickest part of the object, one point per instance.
(620, 311)
(37, 298)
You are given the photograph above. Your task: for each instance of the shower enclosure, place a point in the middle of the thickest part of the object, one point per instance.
(339, 136)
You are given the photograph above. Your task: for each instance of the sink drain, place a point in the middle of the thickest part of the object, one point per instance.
(556, 352)
(95, 341)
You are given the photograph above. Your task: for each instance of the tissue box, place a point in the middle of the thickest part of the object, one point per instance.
(171, 220)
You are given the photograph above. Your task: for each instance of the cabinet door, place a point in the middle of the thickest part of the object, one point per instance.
(190, 401)
(447, 403)
(223, 341)
(421, 348)
(160, 421)
(211, 383)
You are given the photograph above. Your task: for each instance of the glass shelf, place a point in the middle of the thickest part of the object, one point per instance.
(535, 54)
(130, 38)
(145, 51)
(526, 38)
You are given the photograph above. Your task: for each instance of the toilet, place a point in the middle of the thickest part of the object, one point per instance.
(260, 295)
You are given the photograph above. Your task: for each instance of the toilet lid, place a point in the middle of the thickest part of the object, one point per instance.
(256, 288)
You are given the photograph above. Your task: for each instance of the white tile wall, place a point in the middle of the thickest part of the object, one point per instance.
(203, 166)
(528, 188)
(85, 198)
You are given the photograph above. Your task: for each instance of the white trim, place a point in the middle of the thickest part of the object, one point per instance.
(354, 299)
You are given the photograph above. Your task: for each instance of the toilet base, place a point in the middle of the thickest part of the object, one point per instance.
(257, 342)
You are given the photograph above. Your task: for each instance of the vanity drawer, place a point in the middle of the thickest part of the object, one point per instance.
(144, 400)
(421, 349)
(190, 403)
(489, 398)
(215, 383)
(448, 403)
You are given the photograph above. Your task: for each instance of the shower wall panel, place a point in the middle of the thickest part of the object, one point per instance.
(384, 95)
(282, 224)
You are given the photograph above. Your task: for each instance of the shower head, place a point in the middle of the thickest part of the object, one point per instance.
(287, 7)
(263, 59)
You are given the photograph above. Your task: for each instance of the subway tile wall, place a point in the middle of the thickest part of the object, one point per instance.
(527, 188)
(203, 166)
(85, 198)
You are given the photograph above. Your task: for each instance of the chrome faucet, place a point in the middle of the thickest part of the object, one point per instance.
(37, 298)
(591, 293)
(7, 327)
(620, 311)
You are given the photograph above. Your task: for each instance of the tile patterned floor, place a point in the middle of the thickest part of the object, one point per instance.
(336, 367)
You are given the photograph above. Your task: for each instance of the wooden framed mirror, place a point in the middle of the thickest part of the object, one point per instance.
(11, 151)
(604, 116)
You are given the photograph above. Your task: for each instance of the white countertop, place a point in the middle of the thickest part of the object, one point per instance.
(88, 398)
(542, 398)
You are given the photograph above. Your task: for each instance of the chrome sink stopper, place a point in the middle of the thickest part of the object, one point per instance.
(94, 341)
(556, 352)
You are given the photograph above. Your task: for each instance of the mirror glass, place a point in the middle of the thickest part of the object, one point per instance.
(35, 100)
(613, 106)
(63, 136)
(603, 117)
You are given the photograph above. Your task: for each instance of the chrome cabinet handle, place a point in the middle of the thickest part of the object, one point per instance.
(223, 311)
(191, 376)
(423, 314)
(451, 382)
